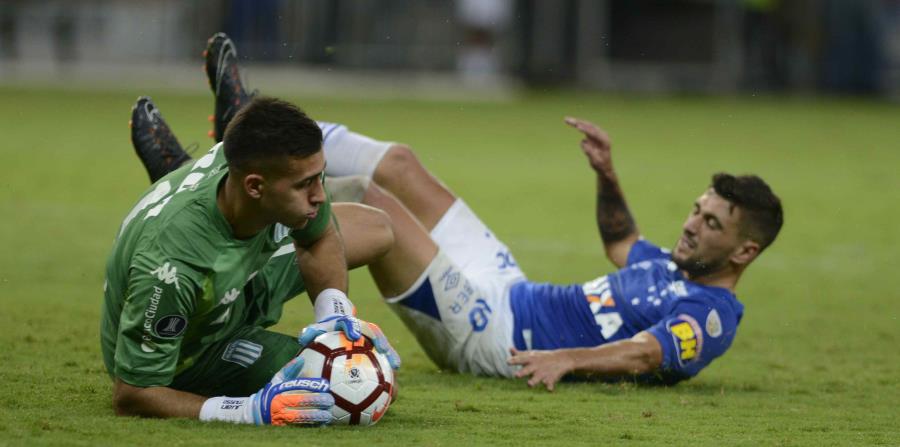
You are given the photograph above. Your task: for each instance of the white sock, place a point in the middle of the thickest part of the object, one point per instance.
(349, 153)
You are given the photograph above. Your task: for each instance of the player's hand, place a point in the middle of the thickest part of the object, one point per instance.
(596, 144)
(348, 324)
(353, 328)
(291, 400)
(374, 333)
(545, 367)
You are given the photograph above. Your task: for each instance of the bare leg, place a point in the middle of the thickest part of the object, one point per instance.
(412, 250)
(401, 173)
(366, 232)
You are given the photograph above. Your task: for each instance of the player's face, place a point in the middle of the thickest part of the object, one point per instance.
(709, 236)
(292, 196)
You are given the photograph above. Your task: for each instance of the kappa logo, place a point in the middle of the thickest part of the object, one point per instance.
(167, 273)
(229, 297)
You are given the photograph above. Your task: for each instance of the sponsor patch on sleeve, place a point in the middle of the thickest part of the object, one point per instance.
(170, 326)
(687, 338)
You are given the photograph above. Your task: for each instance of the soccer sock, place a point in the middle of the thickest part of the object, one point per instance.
(349, 153)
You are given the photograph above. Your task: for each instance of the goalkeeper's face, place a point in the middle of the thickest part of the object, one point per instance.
(293, 190)
(710, 236)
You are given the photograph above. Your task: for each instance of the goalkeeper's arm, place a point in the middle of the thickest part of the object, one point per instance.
(156, 401)
(286, 400)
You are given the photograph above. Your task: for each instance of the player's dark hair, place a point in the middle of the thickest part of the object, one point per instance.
(267, 129)
(762, 215)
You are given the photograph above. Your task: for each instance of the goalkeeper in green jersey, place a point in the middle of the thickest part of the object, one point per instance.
(203, 263)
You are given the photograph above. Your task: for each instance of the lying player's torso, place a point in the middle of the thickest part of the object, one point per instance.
(612, 307)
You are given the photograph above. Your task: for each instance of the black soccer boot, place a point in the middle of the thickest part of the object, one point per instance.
(153, 141)
(225, 82)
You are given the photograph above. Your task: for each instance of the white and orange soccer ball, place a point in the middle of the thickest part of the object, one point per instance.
(362, 381)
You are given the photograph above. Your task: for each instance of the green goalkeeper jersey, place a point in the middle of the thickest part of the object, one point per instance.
(176, 275)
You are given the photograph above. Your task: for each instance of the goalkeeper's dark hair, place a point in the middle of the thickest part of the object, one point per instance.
(266, 130)
(761, 211)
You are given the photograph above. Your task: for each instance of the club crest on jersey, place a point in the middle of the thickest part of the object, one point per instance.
(687, 338)
(167, 273)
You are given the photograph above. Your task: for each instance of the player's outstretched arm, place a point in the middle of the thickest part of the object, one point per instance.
(157, 401)
(617, 227)
(637, 355)
(286, 400)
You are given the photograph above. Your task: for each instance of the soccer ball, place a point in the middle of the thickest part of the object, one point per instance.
(362, 381)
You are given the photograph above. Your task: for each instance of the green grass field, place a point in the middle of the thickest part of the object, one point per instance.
(815, 361)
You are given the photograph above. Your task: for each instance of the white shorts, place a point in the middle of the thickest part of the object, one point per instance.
(459, 308)
(349, 153)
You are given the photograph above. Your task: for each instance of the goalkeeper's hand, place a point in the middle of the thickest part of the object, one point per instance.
(335, 312)
(286, 400)
(353, 328)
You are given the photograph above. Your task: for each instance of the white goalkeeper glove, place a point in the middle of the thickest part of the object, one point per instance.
(285, 400)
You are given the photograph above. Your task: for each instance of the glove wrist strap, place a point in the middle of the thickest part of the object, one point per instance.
(332, 302)
(237, 410)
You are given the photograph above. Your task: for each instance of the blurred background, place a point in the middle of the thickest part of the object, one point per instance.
(482, 46)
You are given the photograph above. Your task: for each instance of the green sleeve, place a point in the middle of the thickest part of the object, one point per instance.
(316, 227)
(158, 304)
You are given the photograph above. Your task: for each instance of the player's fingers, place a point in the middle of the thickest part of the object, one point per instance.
(350, 327)
(308, 335)
(369, 331)
(550, 383)
(301, 417)
(519, 358)
(290, 371)
(526, 370)
(394, 359)
(522, 372)
(578, 123)
(585, 127)
(296, 399)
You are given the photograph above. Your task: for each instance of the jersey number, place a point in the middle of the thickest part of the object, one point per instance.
(161, 195)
